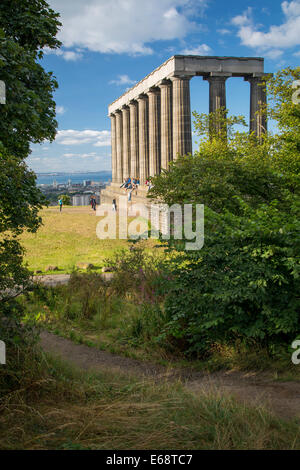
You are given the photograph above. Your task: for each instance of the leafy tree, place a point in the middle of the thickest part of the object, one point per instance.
(286, 113)
(20, 203)
(32, 24)
(66, 200)
(243, 285)
(26, 26)
(214, 180)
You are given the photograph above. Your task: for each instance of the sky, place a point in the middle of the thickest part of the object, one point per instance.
(108, 46)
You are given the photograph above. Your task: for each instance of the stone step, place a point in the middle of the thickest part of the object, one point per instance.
(113, 191)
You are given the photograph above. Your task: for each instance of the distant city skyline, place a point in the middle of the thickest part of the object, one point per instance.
(75, 177)
(109, 46)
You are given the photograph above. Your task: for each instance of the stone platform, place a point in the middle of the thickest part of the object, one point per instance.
(159, 217)
(113, 191)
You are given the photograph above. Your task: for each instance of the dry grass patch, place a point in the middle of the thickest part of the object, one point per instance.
(69, 409)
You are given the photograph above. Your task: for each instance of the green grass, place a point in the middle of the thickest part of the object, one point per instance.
(67, 238)
(60, 407)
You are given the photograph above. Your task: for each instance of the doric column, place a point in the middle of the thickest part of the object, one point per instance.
(113, 148)
(154, 132)
(166, 123)
(134, 140)
(126, 142)
(182, 131)
(217, 94)
(258, 100)
(143, 138)
(119, 146)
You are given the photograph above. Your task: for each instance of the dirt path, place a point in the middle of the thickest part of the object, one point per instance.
(52, 280)
(282, 398)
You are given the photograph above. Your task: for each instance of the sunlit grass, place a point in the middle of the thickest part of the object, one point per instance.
(69, 237)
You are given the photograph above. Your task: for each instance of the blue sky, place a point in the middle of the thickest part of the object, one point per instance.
(110, 45)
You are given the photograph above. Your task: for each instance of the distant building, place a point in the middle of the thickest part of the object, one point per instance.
(87, 183)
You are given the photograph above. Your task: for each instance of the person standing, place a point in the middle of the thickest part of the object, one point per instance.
(60, 204)
(114, 205)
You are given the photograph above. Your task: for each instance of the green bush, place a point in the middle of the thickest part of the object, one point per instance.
(244, 283)
(21, 355)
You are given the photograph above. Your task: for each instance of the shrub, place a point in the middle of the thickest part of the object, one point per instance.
(21, 354)
(139, 275)
(243, 285)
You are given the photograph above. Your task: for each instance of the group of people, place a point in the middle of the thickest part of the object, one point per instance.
(130, 184)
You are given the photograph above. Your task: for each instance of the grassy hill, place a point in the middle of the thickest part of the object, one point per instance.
(69, 237)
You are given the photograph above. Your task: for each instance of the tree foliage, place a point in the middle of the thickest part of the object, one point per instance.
(29, 114)
(66, 199)
(244, 283)
(26, 26)
(31, 24)
(286, 112)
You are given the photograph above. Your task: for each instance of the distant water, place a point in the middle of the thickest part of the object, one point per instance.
(63, 178)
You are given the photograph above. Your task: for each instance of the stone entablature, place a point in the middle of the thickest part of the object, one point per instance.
(191, 66)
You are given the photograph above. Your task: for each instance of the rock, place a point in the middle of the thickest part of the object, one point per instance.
(51, 268)
(108, 269)
(84, 265)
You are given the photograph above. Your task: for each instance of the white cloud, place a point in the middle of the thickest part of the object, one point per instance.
(72, 55)
(172, 13)
(81, 155)
(73, 137)
(297, 54)
(243, 19)
(123, 26)
(273, 54)
(278, 37)
(202, 49)
(60, 110)
(224, 31)
(122, 80)
(69, 56)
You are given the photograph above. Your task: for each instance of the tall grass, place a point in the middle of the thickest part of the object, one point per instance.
(126, 310)
(63, 408)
